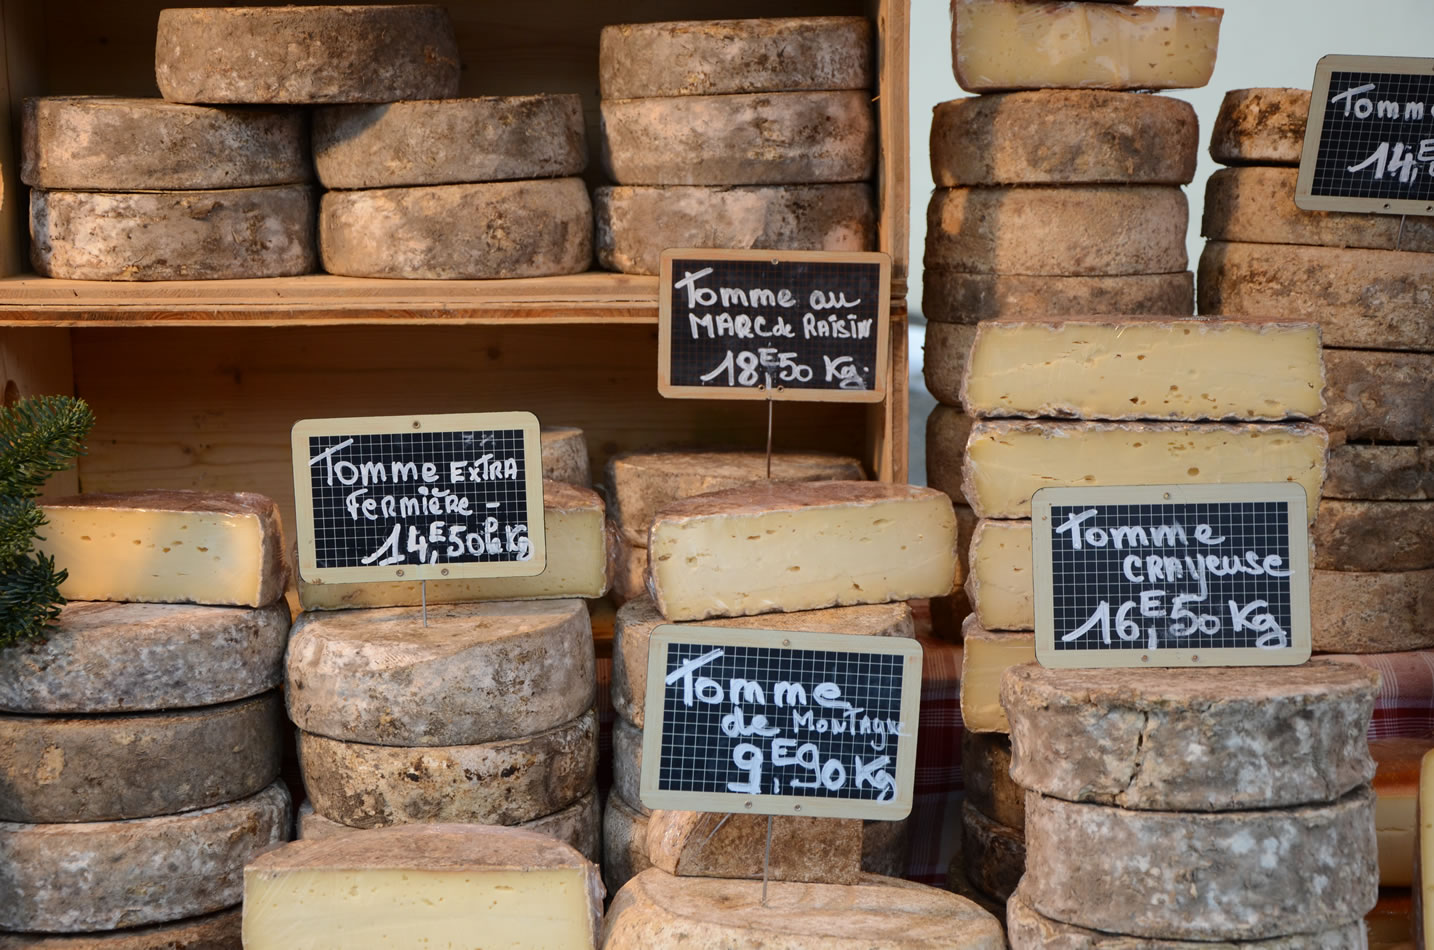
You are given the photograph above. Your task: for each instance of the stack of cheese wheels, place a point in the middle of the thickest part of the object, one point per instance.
(736, 134)
(1057, 144)
(640, 483)
(1368, 280)
(1166, 806)
(140, 743)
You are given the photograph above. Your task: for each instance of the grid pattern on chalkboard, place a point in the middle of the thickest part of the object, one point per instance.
(1349, 140)
(693, 358)
(341, 540)
(697, 755)
(1082, 580)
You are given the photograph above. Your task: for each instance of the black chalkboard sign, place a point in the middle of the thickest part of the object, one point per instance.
(1166, 575)
(779, 723)
(807, 326)
(1369, 142)
(419, 497)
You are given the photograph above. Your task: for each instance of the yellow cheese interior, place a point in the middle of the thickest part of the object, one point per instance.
(1002, 585)
(984, 657)
(1394, 825)
(359, 909)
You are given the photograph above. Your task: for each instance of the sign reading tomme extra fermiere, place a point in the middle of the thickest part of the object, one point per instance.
(1171, 575)
(779, 723)
(381, 498)
(807, 326)
(1369, 141)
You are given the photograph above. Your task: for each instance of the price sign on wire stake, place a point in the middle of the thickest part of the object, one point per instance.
(807, 326)
(384, 498)
(770, 722)
(1369, 142)
(1171, 575)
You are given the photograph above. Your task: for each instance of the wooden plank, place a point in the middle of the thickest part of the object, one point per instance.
(893, 20)
(36, 362)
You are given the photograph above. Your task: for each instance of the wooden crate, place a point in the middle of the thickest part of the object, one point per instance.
(195, 384)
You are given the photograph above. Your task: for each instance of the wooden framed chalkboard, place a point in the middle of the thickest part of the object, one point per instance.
(813, 324)
(419, 497)
(1369, 142)
(1171, 575)
(772, 722)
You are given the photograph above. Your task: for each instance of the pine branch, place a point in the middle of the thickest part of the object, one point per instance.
(20, 521)
(39, 436)
(29, 599)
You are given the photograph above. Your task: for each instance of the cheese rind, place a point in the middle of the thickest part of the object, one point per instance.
(986, 776)
(565, 455)
(1362, 299)
(787, 546)
(947, 429)
(216, 548)
(131, 873)
(1193, 369)
(1396, 795)
(995, 855)
(1187, 741)
(628, 569)
(217, 931)
(1356, 612)
(109, 768)
(1374, 535)
(776, 138)
(1001, 584)
(1260, 127)
(713, 57)
(997, 45)
(1380, 397)
(1380, 472)
(119, 657)
(947, 352)
(1063, 136)
(886, 847)
(950, 295)
(627, 762)
(1025, 229)
(985, 657)
(818, 850)
(475, 673)
(1006, 462)
(624, 843)
(433, 884)
(1235, 875)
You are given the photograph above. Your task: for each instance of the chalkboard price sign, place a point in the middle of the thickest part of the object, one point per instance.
(1369, 142)
(810, 326)
(384, 498)
(1171, 575)
(778, 723)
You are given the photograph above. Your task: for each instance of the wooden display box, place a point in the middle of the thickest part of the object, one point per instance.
(195, 384)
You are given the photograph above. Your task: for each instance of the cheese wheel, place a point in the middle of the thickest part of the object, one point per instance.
(1374, 535)
(994, 854)
(703, 844)
(1260, 127)
(947, 429)
(777, 138)
(627, 756)
(1125, 229)
(565, 456)
(713, 57)
(886, 847)
(1383, 397)
(950, 295)
(624, 843)
(100, 143)
(503, 782)
(108, 768)
(537, 228)
(958, 883)
(641, 483)
(173, 235)
(636, 620)
(476, 673)
(1129, 737)
(1257, 205)
(986, 776)
(628, 569)
(1000, 583)
(306, 54)
(113, 657)
(636, 223)
(1063, 137)
(131, 873)
(449, 141)
(655, 905)
(1359, 612)
(1234, 875)
(217, 931)
(1362, 299)
(947, 351)
(1380, 472)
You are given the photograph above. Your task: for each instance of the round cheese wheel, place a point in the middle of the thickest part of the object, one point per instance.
(886, 847)
(986, 775)
(624, 843)
(995, 854)
(779, 138)
(503, 782)
(118, 657)
(1369, 612)
(565, 456)
(173, 235)
(1379, 397)
(1374, 535)
(950, 295)
(948, 349)
(711, 57)
(628, 569)
(311, 54)
(476, 673)
(458, 232)
(1185, 740)
(131, 873)
(217, 931)
(1380, 472)
(635, 224)
(627, 761)
(1260, 127)
(450, 141)
(100, 143)
(947, 429)
(1065, 137)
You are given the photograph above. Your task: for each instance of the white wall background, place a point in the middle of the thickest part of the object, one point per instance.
(1262, 43)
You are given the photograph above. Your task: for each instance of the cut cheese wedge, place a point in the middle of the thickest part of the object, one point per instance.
(800, 546)
(1001, 584)
(985, 657)
(1396, 795)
